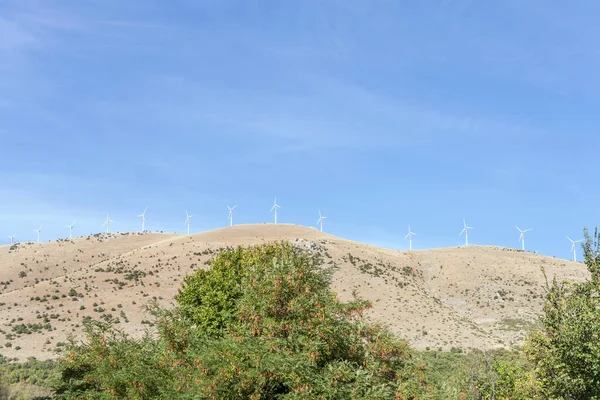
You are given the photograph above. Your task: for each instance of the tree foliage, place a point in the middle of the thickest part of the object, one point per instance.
(566, 352)
(275, 331)
(27, 380)
(209, 297)
(481, 375)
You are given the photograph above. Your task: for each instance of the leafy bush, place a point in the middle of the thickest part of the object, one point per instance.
(262, 325)
(209, 297)
(566, 352)
(489, 375)
(26, 380)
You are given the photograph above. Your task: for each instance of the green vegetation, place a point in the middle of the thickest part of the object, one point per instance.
(261, 324)
(566, 352)
(32, 379)
(560, 361)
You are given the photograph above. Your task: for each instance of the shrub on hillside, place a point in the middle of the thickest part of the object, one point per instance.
(209, 298)
(262, 323)
(32, 379)
(482, 375)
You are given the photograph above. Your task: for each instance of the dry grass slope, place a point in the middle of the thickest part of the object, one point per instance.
(480, 297)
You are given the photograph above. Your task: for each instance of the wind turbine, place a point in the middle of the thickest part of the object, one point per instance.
(143, 216)
(107, 223)
(275, 207)
(188, 219)
(231, 214)
(466, 231)
(39, 230)
(12, 241)
(522, 237)
(320, 221)
(409, 237)
(71, 230)
(574, 247)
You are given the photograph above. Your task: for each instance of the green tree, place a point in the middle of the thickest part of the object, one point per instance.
(209, 297)
(566, 352)
(278, 332)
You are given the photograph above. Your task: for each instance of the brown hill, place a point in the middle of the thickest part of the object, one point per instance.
(475, 297)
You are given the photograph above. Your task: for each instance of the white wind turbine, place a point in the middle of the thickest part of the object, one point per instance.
(409, 236)
(574, 247)
(320, 221)
(107, 223)
(71, 230)
(188, 219)
(231, 214)
(38, 230)
(466, 231)
(143, 217)
(522, 236)
(275, 207)
(12, 239)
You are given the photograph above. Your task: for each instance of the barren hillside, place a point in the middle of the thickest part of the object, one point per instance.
(479, 297)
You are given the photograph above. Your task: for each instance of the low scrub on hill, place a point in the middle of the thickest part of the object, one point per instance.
(32, 379)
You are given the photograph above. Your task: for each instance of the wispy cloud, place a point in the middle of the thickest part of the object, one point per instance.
(122, 23)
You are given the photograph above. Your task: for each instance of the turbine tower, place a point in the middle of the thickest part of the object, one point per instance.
(574, 247)
(71, 230)
(409, 237)
(12, 239)
(522, 237)
(275, 207)
(466, 231)
(38, 230)
(107, 223)
(188, 219)
(143, 217)
(320, 221)
(231, 214)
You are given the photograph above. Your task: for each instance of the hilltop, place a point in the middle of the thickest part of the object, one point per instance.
(475, 297)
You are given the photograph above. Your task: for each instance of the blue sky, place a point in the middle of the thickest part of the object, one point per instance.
(380, 113)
